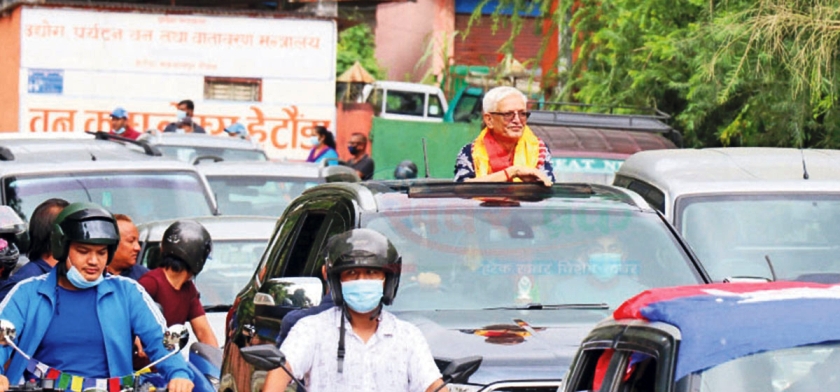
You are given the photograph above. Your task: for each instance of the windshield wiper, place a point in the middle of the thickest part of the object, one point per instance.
(538, 306)
(217, 308)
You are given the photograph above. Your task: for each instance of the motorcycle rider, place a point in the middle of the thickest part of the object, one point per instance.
(184, 250)
(78, 321)
(383, 352)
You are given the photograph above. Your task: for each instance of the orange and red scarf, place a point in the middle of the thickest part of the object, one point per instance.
(489, 157)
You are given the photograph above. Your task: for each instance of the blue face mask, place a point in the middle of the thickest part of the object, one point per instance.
(79, 281)
(353, 150)
(180, 115)
(314, 141)
(604, 266)
(120, 131)
(362, 295)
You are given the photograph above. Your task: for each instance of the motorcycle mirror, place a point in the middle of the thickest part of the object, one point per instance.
(264, 356)
(8, 332)
(459, 371)
(176, 337)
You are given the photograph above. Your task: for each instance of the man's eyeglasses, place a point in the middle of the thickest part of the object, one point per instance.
(508, 116)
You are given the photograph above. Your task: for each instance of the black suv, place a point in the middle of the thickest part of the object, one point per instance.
(516, 273)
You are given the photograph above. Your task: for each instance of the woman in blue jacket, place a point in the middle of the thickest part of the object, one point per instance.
(77, 323)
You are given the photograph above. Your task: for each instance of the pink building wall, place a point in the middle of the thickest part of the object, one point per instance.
(403, 31)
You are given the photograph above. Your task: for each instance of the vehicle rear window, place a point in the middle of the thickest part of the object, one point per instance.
(189, 153)
(142, 196)
(257, 195)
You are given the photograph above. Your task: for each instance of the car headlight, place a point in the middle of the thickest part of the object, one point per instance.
(464, 388)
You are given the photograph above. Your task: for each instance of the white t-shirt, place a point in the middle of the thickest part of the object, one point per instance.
(395, 358)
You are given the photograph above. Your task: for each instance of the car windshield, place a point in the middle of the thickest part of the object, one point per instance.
(799, 369)
(508, 257)
(228, 270)
(734, 236)
(190, 153)
(257, 195)
(142, 196)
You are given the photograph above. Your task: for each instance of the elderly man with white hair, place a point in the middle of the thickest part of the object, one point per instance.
(506, 149)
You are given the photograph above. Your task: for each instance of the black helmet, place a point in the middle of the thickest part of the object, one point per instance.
(189, 242)
(86, 223)
(13, 238)
(9, 255)
(362, 248)
(405, 170)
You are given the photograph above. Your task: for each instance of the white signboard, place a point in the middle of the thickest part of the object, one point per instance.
(78, 65)
(184, 44)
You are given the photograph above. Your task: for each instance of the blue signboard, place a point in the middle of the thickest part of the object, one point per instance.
(46, 81)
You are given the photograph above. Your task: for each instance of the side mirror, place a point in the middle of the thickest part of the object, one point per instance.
(264, 356)
(8, 332)
(459, 371)
(294, 292)
(176, 337)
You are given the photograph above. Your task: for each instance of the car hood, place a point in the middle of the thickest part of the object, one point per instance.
(514, 344)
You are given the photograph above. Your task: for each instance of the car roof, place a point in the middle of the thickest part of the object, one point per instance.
(778, 315)
(406, 86)
(63, 149)
(271, 169)
(221, 228)
(750, 169)
(158, 165)
(381, 196)
(199, 140)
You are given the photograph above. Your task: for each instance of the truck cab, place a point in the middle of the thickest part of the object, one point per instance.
(406, 101)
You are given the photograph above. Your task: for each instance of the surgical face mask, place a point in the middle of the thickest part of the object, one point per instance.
(314, 141)
(362, 295)
(76, 279)
(180, 114)
(353, 150)
(604, 266)
(120, 131)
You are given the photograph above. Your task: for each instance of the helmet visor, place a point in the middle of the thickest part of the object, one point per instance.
(95, 231)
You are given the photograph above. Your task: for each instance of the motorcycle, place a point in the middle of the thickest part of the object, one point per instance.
(268, 357)
(174, 338)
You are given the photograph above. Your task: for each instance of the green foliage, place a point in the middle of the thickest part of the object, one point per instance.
(732, 72)
(357, 44)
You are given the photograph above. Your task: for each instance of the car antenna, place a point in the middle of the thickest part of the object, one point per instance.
(767, 257)
(92, 157)
(425, 157)
(804, 168)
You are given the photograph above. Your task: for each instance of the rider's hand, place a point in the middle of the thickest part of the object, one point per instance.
(139, 347)
(179, 385)
(4, 383)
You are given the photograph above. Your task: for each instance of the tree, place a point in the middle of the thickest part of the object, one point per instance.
(732, 72)
(356, 44)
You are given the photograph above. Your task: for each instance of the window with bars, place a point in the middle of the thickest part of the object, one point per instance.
(233, 89)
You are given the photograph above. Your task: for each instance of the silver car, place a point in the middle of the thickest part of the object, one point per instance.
(769, 213)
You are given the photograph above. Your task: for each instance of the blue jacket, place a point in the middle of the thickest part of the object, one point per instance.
(124, 310)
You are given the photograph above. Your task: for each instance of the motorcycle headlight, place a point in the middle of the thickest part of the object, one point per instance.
(464, 388)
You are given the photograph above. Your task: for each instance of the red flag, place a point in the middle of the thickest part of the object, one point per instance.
(53, 374)
(114, 384)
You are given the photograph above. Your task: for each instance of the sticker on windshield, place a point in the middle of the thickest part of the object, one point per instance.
(106, 199)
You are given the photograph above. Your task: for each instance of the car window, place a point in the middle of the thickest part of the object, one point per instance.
(491, 257)
(142, 196)
(282, 236)
(736, 235)
(257, 195)
(405, 102)
(586, 369)
(304, 244)
(228, 270)
(435, 107)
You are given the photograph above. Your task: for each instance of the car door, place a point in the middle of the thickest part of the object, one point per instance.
(311, 226)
